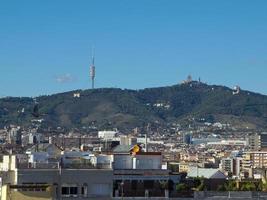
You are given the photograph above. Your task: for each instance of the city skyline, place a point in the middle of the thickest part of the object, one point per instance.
(46, 46)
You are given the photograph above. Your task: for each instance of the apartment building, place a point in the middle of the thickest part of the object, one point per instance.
(50, 181)
(133, 173)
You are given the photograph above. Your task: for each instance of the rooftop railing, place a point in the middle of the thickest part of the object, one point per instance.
(58, 165)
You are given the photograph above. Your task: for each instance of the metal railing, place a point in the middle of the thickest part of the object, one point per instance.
(58, 165)
(50, 165)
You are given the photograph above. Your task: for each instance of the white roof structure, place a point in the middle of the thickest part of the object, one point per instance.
(207, 173)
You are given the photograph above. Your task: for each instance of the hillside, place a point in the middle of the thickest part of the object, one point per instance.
(130, 108)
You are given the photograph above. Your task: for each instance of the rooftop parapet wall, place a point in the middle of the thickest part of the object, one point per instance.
(57, 165)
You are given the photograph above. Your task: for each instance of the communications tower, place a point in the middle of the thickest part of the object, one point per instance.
(92, 69)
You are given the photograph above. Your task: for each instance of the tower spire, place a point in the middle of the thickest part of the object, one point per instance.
(92, 68)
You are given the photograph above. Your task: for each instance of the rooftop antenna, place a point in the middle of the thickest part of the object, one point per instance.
(92, 68)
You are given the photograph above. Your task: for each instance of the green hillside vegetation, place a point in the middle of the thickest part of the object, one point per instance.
(130, 108)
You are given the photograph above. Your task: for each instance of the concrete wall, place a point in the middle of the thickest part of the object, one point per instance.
(104, 159)
(94, 179)
(137, 161)
(38, 157)
(8, 194)
(148, 161)
(230, 195)
(123, 162)
(4, 192)
(30, 196)
(9, 162)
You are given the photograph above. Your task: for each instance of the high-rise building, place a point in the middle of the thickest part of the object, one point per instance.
(254, 160)
(14, 136)
(263, 141)
(258, 141)
(226, 165)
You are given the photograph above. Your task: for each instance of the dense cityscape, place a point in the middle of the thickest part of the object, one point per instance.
(201, 161)
(133, 100)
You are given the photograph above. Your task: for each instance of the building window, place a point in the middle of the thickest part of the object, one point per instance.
(69, 191)
(65, 191)
(73, 190)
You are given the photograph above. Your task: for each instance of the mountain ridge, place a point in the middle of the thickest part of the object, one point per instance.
(126, 108)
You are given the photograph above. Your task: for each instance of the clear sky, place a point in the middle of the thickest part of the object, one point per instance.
(45, 46)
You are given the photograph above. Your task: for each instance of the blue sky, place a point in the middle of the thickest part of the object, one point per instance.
(45, 46)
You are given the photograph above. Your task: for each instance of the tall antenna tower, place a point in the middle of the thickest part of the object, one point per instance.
(92, 69)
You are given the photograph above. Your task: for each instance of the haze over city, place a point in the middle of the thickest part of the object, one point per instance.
(46, 45)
